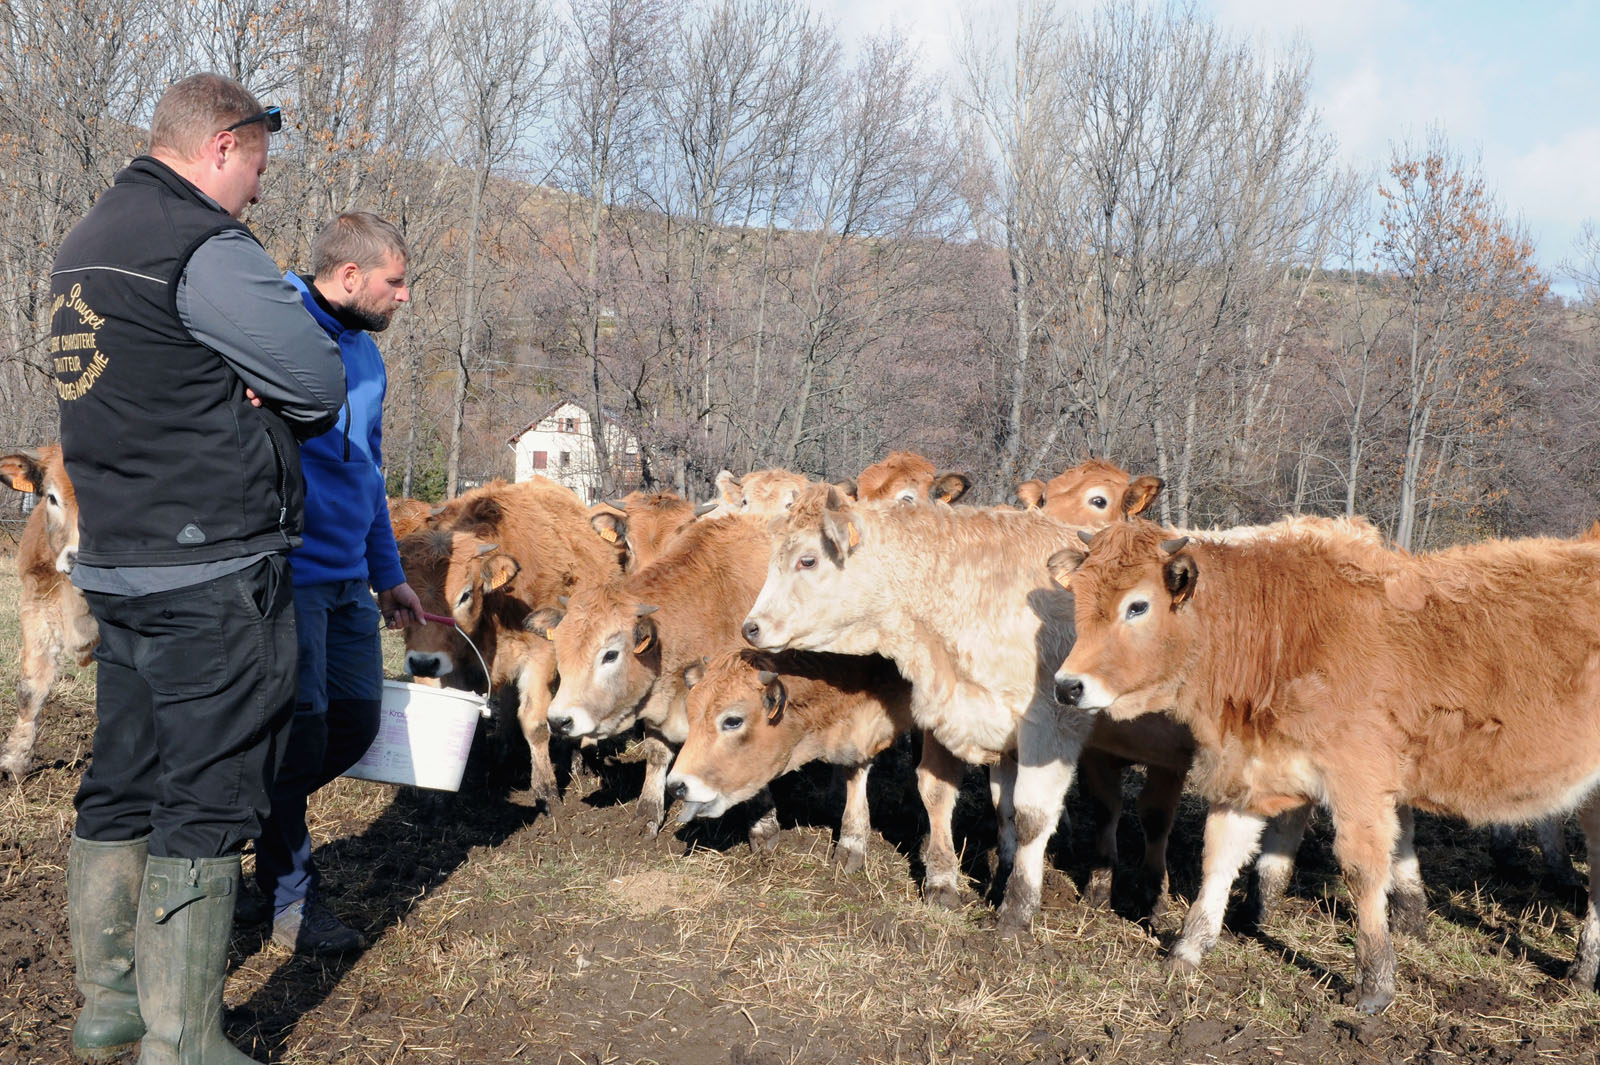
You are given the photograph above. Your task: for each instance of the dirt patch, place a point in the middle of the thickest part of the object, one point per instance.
(655, 890)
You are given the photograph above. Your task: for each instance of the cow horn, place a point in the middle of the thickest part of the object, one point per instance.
(1172, 547)
(484, 549)
(641, 610)
(562, 599)
(1086, 536)
(616, 504)
(702, 509)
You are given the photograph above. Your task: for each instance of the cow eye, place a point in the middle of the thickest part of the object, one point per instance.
(1099, 501)
(465, 597)
(908, 497)
(1137, 608)
(805, 562)
(52, 499)
(731, 723)
(609, 657)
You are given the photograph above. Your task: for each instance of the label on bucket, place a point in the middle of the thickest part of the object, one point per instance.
(423, 738)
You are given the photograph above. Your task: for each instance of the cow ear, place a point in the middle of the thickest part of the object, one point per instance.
(694, 673)
(1180, 574)
(23, 471)
(498, 571)
(1065, 562)
(644, 634)
(841, 533)
(774, 695)
(1140, 494)
(1031, 493)
(543, 622)
(612, 526)
(949, 487)
(728, 488)
(852, 491)
(483, 513)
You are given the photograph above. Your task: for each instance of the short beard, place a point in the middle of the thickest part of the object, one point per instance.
(353, 317)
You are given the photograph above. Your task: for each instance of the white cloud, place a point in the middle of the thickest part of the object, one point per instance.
(1555, 186)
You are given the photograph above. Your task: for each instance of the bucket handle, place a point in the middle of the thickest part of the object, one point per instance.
(444, 619)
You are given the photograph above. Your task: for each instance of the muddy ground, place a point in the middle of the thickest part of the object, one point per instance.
(502, 932)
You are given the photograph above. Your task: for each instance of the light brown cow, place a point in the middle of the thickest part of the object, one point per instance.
(907, 477)
(1314, 669)
(955, 599)
(759, 492)
(622, 645)
(408, 515)
(508, 550)
(1091, 494)
(753, 717)
(640, 524)
(55, 619)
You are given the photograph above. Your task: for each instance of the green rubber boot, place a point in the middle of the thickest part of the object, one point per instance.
(102, 904)
(185, 918)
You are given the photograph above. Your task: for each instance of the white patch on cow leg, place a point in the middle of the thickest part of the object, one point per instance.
(764, 829)
(1408, 903)
(1231, 838)
(653, 796)
(1279, 845)
(851, 853)
(938, 779)
(1586, 963)
(1040, 794)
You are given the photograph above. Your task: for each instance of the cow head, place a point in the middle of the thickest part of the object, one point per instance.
(1091, 495)
(740, 735)
(811, 599)
(1131, 583)
(761, 492)
(907, 477)
(41, 472)
(608, 656)
(640, 524)
(435, 652)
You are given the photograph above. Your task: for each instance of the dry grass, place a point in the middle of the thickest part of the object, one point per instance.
(504, 936)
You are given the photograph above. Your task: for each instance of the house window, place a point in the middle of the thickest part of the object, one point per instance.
(566, 458)
(541, 459)
(569, 425)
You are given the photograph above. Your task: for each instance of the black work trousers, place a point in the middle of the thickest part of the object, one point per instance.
(195, 694)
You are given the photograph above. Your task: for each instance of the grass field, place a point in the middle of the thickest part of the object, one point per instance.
(502, 932)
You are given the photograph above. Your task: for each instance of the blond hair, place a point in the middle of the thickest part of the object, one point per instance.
(359, 237)
(194, 109)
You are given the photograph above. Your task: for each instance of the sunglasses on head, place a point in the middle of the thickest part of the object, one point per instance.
(272, 116)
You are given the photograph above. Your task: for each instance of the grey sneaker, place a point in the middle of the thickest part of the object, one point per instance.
(309, 927)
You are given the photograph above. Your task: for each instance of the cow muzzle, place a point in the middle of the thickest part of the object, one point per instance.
(1080, 691)
(427, 664)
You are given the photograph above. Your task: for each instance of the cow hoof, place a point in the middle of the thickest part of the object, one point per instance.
(14, 766)
(850, 858)
(1373, 1002)
(1097, 895)
(945, 896)
(1180, 962)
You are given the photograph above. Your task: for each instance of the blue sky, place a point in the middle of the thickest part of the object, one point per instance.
(1517, 83)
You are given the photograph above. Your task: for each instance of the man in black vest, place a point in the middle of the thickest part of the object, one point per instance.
(187, 371)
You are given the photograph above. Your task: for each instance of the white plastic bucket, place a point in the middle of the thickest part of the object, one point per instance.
(423, 736)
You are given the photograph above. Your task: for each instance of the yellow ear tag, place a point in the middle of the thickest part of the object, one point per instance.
(855, 537)
(643, 645)
(550, 634)
(499, 582)
(22, 484)
(608, 535)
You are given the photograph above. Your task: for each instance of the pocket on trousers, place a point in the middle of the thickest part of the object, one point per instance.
(182, 653)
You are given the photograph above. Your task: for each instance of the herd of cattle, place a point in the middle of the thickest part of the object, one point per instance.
(1274, 668)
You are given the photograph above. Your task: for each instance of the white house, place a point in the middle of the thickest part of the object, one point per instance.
(558, 445)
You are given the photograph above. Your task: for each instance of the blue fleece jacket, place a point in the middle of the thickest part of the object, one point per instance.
(347, 534)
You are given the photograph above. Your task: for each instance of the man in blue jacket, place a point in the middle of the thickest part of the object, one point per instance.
(359, 281)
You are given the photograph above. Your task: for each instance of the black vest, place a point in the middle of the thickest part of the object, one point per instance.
(170, 462)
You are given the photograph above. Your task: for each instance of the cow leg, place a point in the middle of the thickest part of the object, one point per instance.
(1047, 756)
(533, 707)
(1158, 811)
(1408, 903)
(1100, 783)
(42, 645)
(1231, 838)
(1002, 794)
(653, 796)
(764, 829)
(1550, 834)
(938, 780)
(850, 853)
(1365, 838)
(1586, 965)
(1279, 845)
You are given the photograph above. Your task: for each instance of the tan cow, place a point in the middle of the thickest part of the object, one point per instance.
(1314, 669)
(1091, 494)
(508, 550)
(622, 645)
(759, 492)
(55, 619)
(753, 717)
(408, 515)
(907, 477)
(956, 599)
(640, 524)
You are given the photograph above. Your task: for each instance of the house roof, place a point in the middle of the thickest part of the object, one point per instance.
(608, 416)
